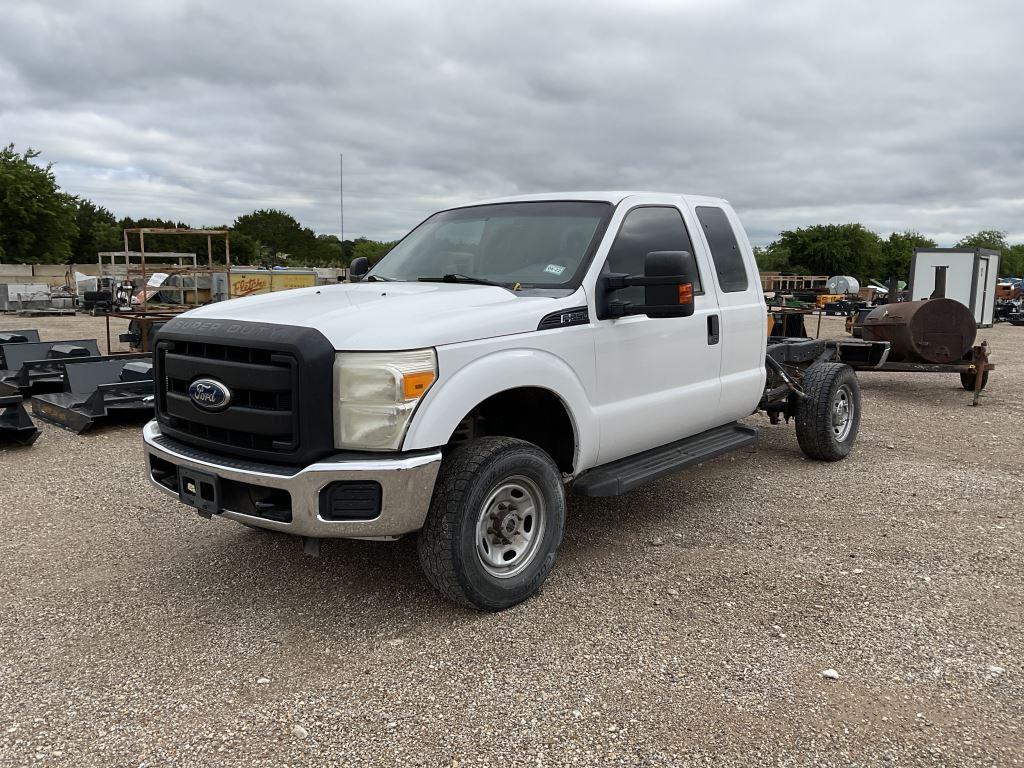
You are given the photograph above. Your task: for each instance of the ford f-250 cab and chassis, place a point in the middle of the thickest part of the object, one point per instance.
(500, 355)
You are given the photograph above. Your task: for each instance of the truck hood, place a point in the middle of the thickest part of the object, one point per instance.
(385, 316)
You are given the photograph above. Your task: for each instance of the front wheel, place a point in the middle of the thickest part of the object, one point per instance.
(495, 523)
(827, 420)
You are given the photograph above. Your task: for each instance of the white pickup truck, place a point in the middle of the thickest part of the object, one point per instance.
(500, 356)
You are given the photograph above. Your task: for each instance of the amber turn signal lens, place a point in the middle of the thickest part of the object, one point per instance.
(686, 293)
(415, 384)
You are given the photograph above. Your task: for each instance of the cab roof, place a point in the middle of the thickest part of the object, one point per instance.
(613, 197)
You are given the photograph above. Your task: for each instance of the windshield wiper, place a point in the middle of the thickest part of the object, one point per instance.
(381, 278)
(455, 277)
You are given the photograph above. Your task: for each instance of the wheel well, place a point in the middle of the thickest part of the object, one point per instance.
(528, 413)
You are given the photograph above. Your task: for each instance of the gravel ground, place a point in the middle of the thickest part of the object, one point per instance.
(688, 623)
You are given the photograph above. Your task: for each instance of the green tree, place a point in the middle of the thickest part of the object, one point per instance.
(1012, 263)
(97, 232)
(278, 233)
(897, 251)
(833, 249)
(276, 230)
(773, 257)
(373, 250)
(37, 220)
(987, 238)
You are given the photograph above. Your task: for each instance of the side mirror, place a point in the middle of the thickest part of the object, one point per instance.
(668, 280)
(358, 268)
(673, 274)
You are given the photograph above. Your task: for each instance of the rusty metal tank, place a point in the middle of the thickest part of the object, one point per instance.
(929, 331)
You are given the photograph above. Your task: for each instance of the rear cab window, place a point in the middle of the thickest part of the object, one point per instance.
(730, 266)
(645, 229)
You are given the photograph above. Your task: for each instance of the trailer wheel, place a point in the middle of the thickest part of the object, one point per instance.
(828, 419)
(967, 381)
(495, 523)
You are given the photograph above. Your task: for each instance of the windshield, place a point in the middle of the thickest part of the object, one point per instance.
(534, 245)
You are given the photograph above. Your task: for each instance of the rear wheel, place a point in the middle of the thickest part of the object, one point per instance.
(495, 523)
(967, 380)
(828, 419)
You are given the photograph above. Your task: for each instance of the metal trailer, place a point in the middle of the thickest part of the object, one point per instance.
(971, 275)
(102, 390)
(973, 367)
(865, 356)
(15, 424)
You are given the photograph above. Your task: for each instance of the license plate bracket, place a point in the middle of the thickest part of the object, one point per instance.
(200, 490)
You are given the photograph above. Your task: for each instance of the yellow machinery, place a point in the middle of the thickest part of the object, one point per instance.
(828, 298)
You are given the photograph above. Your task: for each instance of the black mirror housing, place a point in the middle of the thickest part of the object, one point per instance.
(675, 298)
(668, 280)
(358, 268)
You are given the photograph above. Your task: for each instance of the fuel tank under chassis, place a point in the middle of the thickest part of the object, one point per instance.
(929, 331)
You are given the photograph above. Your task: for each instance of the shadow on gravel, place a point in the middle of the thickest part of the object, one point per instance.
(913, 389)
(223, 568)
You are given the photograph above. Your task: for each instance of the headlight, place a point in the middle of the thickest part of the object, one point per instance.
(375, 394)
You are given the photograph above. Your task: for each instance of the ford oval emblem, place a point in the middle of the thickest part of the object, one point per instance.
(209, 394)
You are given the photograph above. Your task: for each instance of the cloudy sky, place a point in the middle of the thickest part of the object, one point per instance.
(896, 114)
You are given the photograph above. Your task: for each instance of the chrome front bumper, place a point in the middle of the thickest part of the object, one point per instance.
(406, 480)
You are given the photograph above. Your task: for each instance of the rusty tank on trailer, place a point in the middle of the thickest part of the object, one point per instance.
(930, 331)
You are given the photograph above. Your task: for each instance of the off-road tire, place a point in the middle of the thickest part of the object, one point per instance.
(967, 381)
(447, 543)
(814, 427)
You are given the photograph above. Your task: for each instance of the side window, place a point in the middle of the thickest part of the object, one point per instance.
(654, 228)
(725, 251)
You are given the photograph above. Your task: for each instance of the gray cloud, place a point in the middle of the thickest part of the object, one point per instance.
(898, 115)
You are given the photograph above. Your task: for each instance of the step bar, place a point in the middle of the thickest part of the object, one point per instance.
(622, 476)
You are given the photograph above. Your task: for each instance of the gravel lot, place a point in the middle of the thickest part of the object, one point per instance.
(685, 624)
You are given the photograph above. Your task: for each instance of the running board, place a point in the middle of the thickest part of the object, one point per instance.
(624, 475)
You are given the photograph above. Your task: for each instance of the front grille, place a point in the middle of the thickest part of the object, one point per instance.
(262, 383)
(279, 409)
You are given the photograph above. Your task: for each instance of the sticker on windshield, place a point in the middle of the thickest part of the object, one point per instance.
(554, 269)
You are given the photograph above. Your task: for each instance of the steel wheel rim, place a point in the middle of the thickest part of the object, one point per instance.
(510, 527)
(842, 413)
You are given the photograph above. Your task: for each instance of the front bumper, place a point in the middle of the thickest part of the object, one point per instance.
(406, 480)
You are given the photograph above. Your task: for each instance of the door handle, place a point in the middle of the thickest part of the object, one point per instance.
(712, 329)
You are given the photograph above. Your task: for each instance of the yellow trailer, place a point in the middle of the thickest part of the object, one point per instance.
(248, 282)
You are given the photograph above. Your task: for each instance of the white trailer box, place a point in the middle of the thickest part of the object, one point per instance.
(970, 278)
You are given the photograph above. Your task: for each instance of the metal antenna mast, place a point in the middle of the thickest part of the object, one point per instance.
(341, 192)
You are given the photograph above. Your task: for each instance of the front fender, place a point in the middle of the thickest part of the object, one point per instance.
(451, 398)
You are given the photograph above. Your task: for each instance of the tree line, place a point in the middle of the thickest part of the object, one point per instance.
(852, 249)
(41, 224)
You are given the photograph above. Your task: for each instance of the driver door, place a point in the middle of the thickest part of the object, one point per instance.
(658, 379)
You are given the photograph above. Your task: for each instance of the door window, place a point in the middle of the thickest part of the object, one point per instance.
(647, 229)
(725, 251)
